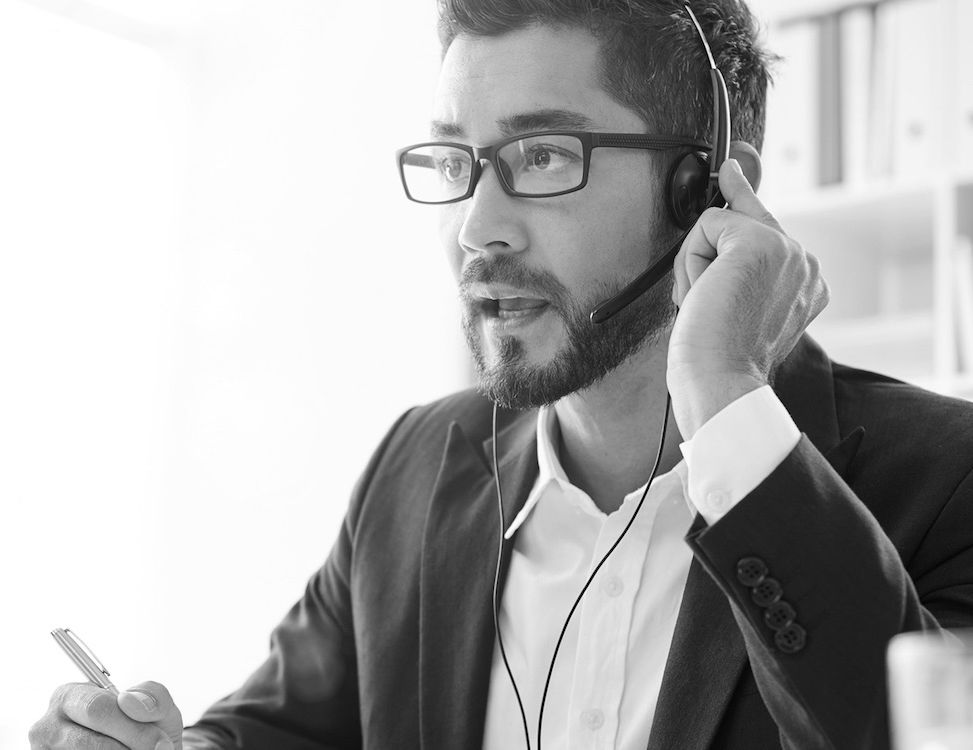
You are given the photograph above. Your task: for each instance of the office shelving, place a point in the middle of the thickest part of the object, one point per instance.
(890, 234)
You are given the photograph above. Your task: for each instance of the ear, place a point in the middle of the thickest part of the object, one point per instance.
(749, 161)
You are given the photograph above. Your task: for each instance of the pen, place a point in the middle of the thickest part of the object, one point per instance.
(81, 655)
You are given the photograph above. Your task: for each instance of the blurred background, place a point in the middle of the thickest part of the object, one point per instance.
(214, 299)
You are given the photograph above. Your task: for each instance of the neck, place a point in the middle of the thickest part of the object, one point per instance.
(610, 431)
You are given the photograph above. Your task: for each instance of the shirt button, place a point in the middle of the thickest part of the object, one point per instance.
(613, 586)
(592, 718)
(717, 501)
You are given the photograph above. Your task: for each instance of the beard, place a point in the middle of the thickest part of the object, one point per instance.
(591, 351)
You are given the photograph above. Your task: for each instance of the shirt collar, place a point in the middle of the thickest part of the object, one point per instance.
(550, 469)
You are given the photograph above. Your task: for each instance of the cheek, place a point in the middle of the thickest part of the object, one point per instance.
(616, 237)
(450, 220)
(611, 245)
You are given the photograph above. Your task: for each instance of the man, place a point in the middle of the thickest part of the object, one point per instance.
(810, 541)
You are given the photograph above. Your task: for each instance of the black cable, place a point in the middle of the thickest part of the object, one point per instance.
(564, 629)
(496, 583)
(591, 577)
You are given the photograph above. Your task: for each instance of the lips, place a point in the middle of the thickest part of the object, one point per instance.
(504, 303)
(501, 306)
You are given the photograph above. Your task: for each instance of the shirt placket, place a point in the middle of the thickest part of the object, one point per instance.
(605, 617)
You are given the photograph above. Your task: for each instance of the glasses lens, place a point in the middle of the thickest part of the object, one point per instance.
(436, 173)
(543, 164)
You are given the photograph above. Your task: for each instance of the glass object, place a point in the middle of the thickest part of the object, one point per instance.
(931, 690)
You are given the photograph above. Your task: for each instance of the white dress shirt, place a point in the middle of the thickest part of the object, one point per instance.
(606, 680)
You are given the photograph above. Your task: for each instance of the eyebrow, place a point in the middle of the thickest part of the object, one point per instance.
(527, 122)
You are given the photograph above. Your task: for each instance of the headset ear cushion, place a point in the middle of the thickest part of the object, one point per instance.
(688, 182)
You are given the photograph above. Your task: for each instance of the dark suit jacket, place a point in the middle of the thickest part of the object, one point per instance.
(869, 532)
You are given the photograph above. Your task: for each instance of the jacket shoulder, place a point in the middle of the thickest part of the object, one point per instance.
(413, 446)
(469, 409)
(908, 427)
(887, 403)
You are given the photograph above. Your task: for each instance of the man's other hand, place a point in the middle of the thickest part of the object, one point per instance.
(82, 715)
(746, 292)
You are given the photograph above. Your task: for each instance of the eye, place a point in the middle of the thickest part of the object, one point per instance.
(453, 168)
(544, 157)
(539, 158)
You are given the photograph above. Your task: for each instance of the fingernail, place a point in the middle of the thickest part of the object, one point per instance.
(163, 745)
(735, 165)
(149, 703)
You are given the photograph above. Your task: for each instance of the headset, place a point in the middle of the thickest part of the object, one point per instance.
(693, 187)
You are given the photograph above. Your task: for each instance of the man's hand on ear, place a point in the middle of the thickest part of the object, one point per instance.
(746, 292)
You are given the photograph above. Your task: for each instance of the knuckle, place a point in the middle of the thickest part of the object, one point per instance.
(56, 734)
(815, 266)
(68, 736)
(61, 694)
(825, 293)
(98, 707)
(78, 738)
(38, 733)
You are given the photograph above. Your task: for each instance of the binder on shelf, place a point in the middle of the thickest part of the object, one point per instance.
(917, 76)
(962, 97)
(791, 137)
(881, 102)
(855, 33)
(829, 101)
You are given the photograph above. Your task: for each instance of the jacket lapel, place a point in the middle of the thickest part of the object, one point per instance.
(459, 558)
(705, 662)
(707, 656)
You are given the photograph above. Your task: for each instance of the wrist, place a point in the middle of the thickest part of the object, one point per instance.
(698, 398)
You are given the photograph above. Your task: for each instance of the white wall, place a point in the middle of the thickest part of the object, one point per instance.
(213, 301)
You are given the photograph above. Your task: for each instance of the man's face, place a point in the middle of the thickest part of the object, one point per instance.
(530, 270)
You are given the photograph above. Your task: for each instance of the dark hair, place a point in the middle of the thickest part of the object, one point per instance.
(651, 57)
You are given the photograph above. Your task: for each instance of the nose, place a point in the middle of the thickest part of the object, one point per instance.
(493, 222)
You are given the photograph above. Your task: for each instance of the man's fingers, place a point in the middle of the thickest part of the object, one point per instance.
(150, 701)
(740, 197)
(147, 701)
(680, 286)
(720, 230)
(698, 251)
(97, 709)
(48, 734)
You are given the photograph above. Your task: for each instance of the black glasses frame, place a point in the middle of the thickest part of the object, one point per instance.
(589, 140)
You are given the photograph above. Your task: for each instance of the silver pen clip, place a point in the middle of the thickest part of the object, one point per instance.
(88, 652)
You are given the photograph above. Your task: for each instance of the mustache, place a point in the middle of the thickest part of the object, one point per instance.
(512, 271)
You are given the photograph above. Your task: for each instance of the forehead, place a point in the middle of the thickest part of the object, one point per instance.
(491, 86)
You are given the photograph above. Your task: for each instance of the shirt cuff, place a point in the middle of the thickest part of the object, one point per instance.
(735, 450)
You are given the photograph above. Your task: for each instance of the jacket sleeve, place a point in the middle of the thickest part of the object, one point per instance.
(818, 588)
(305, 695)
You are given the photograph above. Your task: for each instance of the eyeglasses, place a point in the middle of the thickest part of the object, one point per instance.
(535, 165)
